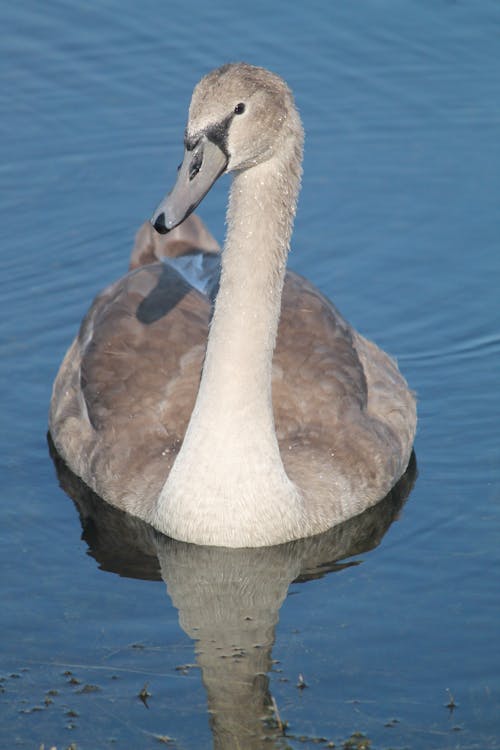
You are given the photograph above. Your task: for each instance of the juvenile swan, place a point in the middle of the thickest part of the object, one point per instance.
(227, 459)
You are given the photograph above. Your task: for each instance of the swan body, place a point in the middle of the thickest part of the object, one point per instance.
(258, 419)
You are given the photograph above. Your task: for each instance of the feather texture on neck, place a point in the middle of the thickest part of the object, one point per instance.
(230, 462)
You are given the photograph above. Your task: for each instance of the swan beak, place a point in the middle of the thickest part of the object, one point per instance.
(201, 166)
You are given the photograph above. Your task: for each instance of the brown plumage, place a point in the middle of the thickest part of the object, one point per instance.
(344, 418)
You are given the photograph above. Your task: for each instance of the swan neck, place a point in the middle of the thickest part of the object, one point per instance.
(229, 470)
(236, 379)
(247, 309)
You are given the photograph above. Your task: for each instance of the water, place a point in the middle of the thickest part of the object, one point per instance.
(399, 224)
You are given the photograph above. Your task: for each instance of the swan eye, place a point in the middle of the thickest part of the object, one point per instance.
(239, 109)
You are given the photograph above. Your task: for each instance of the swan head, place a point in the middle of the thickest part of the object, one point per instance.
(239, 117)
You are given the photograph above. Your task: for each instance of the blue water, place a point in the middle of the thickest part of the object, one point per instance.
(399, 224)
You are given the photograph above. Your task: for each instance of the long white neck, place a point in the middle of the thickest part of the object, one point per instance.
(229, 467)
(235, 391)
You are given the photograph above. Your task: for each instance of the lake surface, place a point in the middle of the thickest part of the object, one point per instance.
(393, 628)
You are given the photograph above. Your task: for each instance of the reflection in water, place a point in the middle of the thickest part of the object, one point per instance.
(228, 599)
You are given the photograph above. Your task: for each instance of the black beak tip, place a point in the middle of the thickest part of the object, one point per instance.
(159, 224)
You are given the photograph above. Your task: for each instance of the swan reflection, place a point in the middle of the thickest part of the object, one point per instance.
(229, 599)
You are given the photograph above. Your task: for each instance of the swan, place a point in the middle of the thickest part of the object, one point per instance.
(232, 407)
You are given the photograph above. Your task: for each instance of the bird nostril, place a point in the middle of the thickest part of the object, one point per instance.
(196, 163)
(160, 225)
